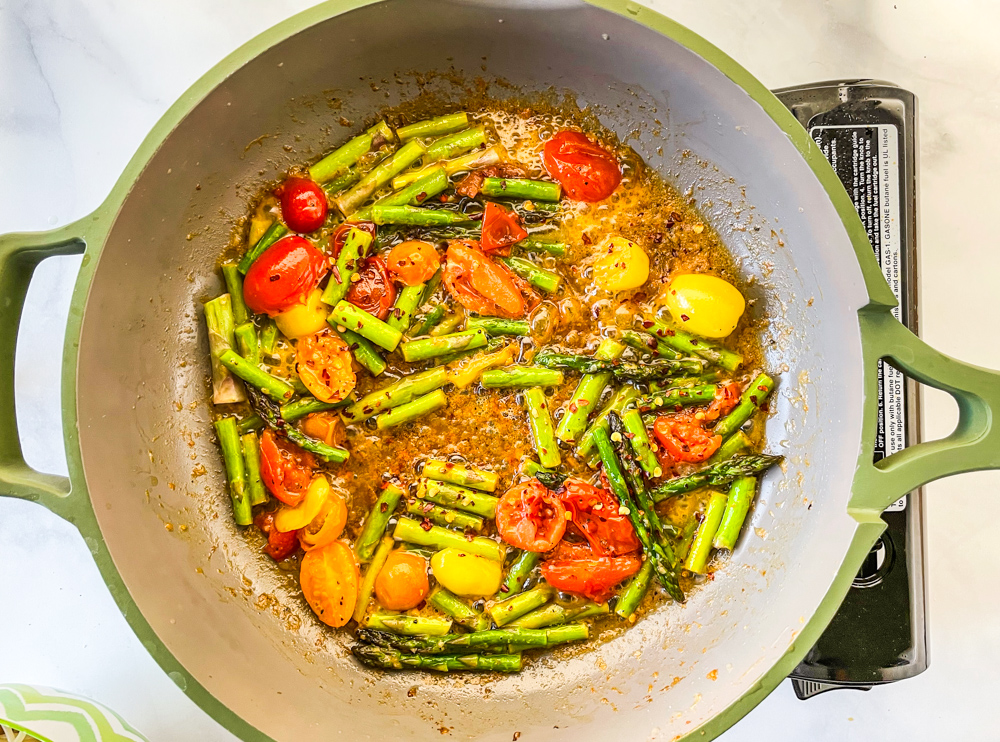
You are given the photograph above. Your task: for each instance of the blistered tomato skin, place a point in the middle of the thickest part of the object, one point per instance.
(467, 575)
(623, 265)
(287, 272)
(705, 305)
(303, 205)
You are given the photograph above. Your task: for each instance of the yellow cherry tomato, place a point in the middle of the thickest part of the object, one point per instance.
(328, 525)
(465, 574)
(402, 582)
(704, 305)
(623, 265)
(329, 577)
(292, 519)
(305, 318)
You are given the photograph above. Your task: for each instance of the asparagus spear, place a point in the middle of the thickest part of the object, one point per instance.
(365, 352)
(674, 399)
(437, 537)
(345, 180)
(737, 506)
(634, 591)
(734, 444)
(428, 321)
(221, 324)
(253, 375)
(346, 315)
(433, 182)
(443, 516)
(551, 479)
(246, 342)
(434, 127)
(268, 336)
(520, 376)
(417, 216)
(457, 497)
(454, 607)
(540, 278)
(540, 421)
(432, 347)
(635, 431)
(587, 394)
(250, 423)
(471, 161)
(520, 569)
(496, 326)
(464, 476)
(371, 573)
(646, 343)
(410, 411)
(750, 401)
(232, 454)
(464, 372)
(586, 448)
(552, 248)
(342, 158)
(292, 411)
(483, 640)
(554, 614)
(631, 370)
(251, 458)
(393, 659)
(379, 176)
(625, 450)
(447, 325)
(377, 521)
(718, 475)
(275, 232)
(456, 144)
(697, 558)
(535, 190)
(401, 623)
(663, 567)
(356, 245)
(512, 608)
(271, 414)
(234, 285)
(399, 392)
(685, 342)
(406, 304)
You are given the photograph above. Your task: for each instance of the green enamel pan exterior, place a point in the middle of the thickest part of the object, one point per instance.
(222, 625)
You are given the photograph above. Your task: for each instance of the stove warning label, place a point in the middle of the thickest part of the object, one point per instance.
(866, 159)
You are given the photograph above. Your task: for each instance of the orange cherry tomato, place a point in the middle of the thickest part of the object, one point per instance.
(280, 545)
(727, 396)
(479, 284)
(329, 578)
(303, 204)
(587, 171)
(531, 517)
(373, 291)
(402, 582)
(595, 516)
(501, 229)
(574, 568)
(413, 262)
(323, 362)
(684, 438)
(327, 427)
(328, 526)
(285, 468)
(283, 275)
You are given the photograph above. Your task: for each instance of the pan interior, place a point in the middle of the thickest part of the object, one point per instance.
(156, 478)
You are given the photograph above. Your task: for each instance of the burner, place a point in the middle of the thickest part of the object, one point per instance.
(867, 130)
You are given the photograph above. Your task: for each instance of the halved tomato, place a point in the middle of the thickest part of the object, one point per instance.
(575, 568)
(280, 545)
(531, 517)
(285, 468)
(727, 396)
(373, 291)
(413, 262)
(479, 284)
(595, 516)
(329, 578)
(501, 229)
(684, 438)
(323, 362)
(586, 170)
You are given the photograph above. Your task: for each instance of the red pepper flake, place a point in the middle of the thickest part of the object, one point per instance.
(685, 318)
(762, 388)
(336, 274)
(274, 278)
(572, 407)
(647, 324)
(669, 333)
(505, 589)
(426, 524)
(753, 399)
(468, 536)
(421, 196)
(384, 507)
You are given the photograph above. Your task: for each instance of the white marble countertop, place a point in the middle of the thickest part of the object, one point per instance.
(82, 82)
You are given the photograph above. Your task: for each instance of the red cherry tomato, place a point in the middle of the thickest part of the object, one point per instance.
(303, 204)
(586, 170)
(373, 291)
(286, 272)
(531, 517)
(727, 396)
(684, 438)
(339, 236)
(285, 468)
(595, 515)
(574, 568)
(279, 545)
(501, 229)
(479, 284)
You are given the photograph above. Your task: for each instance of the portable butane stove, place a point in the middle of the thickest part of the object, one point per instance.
(867, 130)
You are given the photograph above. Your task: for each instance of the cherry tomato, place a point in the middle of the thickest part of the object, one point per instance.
(683, 437)
(329, 578)
(501, 229)
(576, 569)
(727, 396)
(339, 236)
(323, 362)
(531, 517)
(279, 545)
(479, 284)
(328, 525)
(327, 427)
(303, 204)
(402, 582)
(373, 291)
(413, 262)
(595, 515)
(285, 468)
(586, 170)
(283, 276)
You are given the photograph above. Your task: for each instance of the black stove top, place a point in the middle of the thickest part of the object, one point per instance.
(867, 130)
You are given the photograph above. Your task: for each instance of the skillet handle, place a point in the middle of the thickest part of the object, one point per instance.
(20, 254)
(973, 445)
